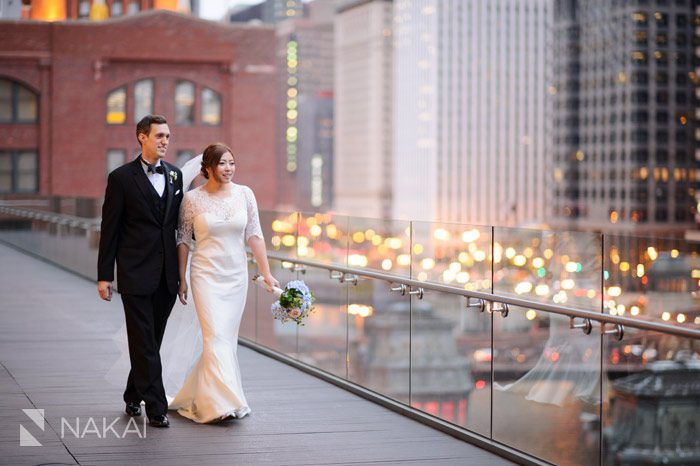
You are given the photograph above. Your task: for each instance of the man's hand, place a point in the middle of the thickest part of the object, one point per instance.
(105, 290)
(182, 292)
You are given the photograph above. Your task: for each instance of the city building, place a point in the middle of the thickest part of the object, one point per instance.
(71, 93)
(364, 79)
(305, 116)
(470, 103)
(269, 11)
(625, 130)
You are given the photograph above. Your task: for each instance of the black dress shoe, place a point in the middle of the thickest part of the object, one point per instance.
(133, 409)
(161, 420)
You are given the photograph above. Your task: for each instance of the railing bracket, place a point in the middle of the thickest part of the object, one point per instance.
(586, 326)
(350, 278)
(618, 330)
(499, 307)
(476, 303)
(418, 292)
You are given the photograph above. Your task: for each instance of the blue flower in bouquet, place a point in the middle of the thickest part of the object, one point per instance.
(295, 302)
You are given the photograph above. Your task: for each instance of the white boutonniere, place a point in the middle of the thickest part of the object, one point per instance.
(173, 176)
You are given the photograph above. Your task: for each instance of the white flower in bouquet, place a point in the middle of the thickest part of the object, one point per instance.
(295, 301)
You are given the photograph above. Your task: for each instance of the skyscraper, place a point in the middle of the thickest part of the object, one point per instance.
(305, 116)
(363, 109)
(625, 123)
(470, 111)
(268, 11)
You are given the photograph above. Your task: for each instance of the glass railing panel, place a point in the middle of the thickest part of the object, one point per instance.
(324, 335)
(248, 321)
(557, 267)
(653, 279)
(280, 231)
(451, 360)
(273, 333)
(68, 243)
(546, 387)
(452, 254)
(380, 244)
(379, 340)
(652, 399)
(323, 238)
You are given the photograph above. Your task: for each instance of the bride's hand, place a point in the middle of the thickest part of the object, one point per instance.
(271, 282)
(182, 292)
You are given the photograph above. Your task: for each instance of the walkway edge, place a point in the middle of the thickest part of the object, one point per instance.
(477, 440)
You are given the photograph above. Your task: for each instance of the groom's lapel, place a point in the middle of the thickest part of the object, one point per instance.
(142, 182)
(170, 187)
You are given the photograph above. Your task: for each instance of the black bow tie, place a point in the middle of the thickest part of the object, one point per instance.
(152, 169)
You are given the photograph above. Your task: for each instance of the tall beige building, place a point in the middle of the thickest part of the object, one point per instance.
(470, 106)
(363, 109)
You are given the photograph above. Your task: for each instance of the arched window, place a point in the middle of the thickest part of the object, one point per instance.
(116, 107)
(211, 107)
(143, 98)
(18, 104)
(184, 103)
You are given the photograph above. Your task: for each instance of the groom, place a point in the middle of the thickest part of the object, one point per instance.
(139, 219)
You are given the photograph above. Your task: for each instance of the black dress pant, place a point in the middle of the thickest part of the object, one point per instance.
(146, 316)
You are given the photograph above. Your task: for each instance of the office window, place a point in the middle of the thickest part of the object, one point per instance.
(115, 159)
(18, 171)
(143, 98)
(116, 107)
(184, 103)
(211, 107)
(18, 104)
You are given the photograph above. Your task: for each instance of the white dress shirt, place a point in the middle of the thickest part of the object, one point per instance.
(156, 179)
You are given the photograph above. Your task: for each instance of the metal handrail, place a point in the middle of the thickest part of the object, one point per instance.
(52, 217)
(491, 297)
(499, 298)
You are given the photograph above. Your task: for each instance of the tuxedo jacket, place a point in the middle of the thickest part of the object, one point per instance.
(136, 234)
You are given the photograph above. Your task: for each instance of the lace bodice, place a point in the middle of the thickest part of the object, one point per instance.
(199, 201)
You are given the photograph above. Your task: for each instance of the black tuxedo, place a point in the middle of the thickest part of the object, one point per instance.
(138, 231)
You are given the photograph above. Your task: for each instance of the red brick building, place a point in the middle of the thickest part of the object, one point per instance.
(71, 93)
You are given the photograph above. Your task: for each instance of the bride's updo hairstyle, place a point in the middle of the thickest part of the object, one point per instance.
(211, 156)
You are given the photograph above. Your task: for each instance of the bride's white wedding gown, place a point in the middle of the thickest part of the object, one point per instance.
(218, 285)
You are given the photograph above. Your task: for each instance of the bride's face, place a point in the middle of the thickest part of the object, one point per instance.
(223, 172)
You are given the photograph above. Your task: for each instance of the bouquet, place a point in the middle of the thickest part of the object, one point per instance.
(295, 301)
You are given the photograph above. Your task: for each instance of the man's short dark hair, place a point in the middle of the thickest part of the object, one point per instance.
(144, 126)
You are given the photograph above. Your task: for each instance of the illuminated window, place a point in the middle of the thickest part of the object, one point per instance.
(143, 98)
(18, 104)
(18, 171)
(211, 107)
(184, 103)
(116, 107)
(115, 159)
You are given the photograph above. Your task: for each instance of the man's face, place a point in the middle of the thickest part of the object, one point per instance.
(155, 143)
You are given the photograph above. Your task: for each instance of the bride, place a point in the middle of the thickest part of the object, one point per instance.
(221, 216)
